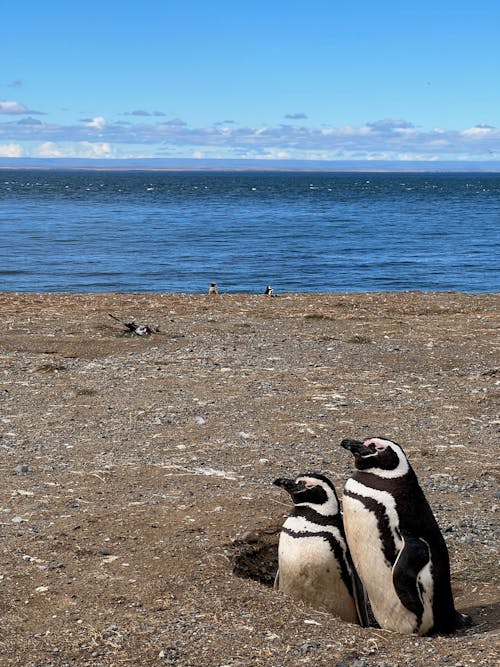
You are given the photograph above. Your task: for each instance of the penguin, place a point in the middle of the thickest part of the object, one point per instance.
(137, 329)
(314, 564)
(269, 291)
(213, 289)
(396, 544)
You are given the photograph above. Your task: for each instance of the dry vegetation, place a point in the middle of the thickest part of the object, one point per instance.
(138, 520)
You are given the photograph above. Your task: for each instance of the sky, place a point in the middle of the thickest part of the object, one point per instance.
(276, 79)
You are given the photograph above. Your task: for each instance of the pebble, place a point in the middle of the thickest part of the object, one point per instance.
(22, 469)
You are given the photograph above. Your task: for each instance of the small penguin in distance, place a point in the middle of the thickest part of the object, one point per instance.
(213, 289)
(269, 291)
(313, 559)
(395, 542)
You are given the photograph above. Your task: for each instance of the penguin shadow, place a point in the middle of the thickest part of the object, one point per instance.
(255, 555)
(484, 618)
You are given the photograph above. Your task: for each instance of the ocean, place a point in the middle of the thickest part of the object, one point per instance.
(179, 231)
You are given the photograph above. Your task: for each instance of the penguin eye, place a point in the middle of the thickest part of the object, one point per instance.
(307, 483)
(301, 484)
(375, 446)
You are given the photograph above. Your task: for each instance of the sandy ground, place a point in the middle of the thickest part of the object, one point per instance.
(139, 523)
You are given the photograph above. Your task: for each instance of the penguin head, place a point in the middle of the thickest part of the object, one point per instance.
(378, 456)
(312, 489)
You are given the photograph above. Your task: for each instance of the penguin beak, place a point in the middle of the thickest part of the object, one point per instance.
(287, 484)
(355, 447)
(352, 445)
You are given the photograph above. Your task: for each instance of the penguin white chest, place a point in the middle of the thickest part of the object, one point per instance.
(309, 571)
(305, 559)
(368, 550)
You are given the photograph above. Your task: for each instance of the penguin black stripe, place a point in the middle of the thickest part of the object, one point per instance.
(383, 484)
(339, 553)
(386, 536)
(311, 515)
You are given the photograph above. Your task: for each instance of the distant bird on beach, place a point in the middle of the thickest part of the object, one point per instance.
(269, 291)
(137, 329)
(213, 289)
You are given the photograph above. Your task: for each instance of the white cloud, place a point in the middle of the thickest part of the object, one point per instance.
(99, 122)
(12, 108)
(351, 131)
(83, 149)
(479, 131)
(9, 107)
(94, 150)
(49, 149)
(275, 154)
(11, 150)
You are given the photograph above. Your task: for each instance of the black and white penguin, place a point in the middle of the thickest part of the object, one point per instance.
(396, 544)
(269, 291)
(313, 559)
(213, 289)
(137, 329)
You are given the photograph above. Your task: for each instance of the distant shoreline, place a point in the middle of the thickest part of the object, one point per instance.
(250, 166)
(250, 171)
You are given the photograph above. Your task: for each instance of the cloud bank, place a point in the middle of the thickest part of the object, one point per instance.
(151, 135)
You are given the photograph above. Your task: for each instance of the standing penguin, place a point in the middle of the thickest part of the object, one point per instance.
(396, 544)
(313, 558)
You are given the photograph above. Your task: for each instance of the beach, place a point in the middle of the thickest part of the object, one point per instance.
(139, 523)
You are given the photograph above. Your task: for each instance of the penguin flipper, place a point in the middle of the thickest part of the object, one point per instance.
(276, 584)
(411, 559)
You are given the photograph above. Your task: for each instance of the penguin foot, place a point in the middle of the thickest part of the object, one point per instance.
(463, 620)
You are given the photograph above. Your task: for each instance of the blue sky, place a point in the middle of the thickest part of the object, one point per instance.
(287, 79)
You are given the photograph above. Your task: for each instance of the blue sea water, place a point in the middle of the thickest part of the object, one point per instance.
(147, 231)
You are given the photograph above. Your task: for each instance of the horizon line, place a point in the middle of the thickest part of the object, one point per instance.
(249, 164)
